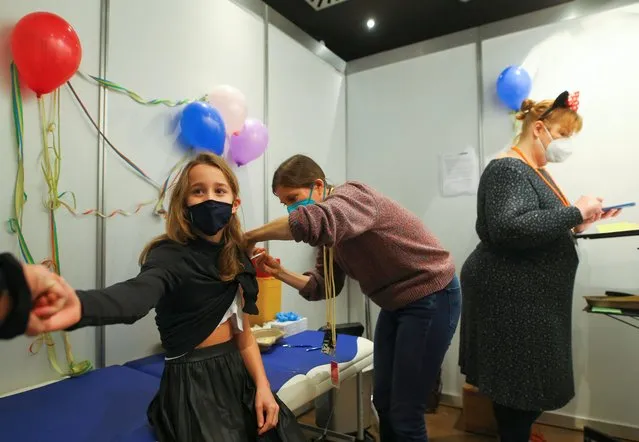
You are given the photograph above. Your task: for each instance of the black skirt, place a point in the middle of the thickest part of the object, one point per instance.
(208, 395)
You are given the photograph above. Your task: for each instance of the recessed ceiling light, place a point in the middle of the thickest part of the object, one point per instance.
(370, 23)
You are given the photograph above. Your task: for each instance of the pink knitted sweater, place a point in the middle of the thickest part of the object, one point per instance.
(377, 242)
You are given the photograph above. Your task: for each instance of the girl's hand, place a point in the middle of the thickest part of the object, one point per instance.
(267, 410)
(54, 317)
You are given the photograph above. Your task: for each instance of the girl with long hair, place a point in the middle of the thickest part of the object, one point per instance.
(201, 283)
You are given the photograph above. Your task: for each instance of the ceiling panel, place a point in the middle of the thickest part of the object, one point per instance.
(342, 24)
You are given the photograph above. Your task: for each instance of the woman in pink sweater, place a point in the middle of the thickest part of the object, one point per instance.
(399, 264)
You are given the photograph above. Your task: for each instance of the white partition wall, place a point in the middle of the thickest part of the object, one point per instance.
(401, 118)
(79, 167)
(201, 49)
(408, 106)
(167, 50)
(306, 107)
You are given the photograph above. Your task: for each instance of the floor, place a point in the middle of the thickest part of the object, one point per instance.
(441, 427)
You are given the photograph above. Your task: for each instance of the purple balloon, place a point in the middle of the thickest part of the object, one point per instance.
(250, 143)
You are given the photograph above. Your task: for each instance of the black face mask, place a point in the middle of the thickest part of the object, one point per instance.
(210, 216)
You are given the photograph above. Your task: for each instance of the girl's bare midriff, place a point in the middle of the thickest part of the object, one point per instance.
(223, 333)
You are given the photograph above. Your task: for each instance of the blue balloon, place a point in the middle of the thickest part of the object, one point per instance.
(182, 142)
(202, 127)
(513, 86)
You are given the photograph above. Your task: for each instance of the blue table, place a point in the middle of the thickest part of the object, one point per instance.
(105, 405)
(281, 363)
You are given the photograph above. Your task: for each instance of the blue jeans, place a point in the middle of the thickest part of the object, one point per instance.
(410, 344)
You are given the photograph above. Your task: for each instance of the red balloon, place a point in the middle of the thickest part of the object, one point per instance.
(46, 51)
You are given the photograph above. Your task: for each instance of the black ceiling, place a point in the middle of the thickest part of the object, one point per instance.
(342, 26)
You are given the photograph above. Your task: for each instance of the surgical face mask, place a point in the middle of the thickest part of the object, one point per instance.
(308, 201)
(210, 216)
(301, 203)
(558, 150)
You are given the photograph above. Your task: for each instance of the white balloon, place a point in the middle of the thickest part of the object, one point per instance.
(231, 104)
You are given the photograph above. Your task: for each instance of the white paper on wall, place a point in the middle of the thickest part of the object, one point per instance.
(459, 173)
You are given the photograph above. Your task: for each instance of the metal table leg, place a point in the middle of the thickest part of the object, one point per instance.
(360, 406)
(367, 318)
(326, 435)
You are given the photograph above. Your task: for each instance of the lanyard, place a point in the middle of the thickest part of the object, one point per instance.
(330, 336)
(554, 188)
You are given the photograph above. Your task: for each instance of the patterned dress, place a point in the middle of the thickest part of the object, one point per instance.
(517, 285)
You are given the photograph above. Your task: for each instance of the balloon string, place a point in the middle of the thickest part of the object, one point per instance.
(99, 214)
(516, 127)
(19, 197)
(51, 164)
(120, 154)
(516, 122)
(158, 209)
(134, 96)
(51, 168)
(159, 206)
(15, 223)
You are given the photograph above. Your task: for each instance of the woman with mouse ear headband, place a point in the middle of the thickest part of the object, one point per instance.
(515, 342)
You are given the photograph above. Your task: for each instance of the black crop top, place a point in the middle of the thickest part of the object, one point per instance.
(14, 285)
(182, 282)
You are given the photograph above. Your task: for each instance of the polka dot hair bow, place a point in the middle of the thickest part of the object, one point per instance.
(565, 100)
(573, 101)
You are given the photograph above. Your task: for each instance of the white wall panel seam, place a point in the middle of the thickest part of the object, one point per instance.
(266, 105)
(100, 332)
(480, 102)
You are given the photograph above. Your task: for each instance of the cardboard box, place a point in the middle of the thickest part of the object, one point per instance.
(477, 413)
(290, 327)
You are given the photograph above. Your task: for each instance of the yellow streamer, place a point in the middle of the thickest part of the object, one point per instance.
(51, 166)
(94, 212)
